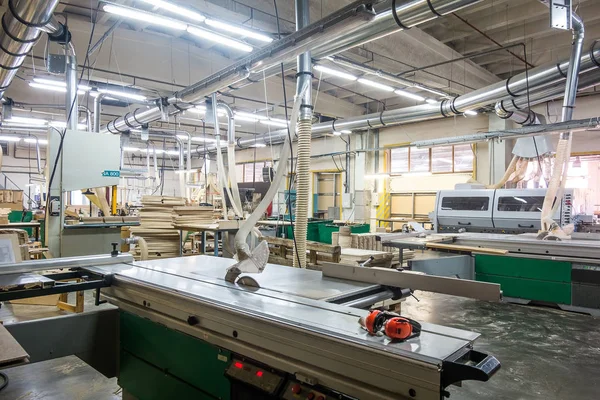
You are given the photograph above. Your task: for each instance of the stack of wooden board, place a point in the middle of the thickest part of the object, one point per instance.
(193, 215)
(371, 241)
(382, 259)
(156, 226)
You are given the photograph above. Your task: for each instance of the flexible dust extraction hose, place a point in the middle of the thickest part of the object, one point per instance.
(231, 155)
(222, 173)
(509, 170)
(302, 192)
(242, 248)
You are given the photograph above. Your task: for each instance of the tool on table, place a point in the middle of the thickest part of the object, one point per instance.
(395, 326)
(367, 262)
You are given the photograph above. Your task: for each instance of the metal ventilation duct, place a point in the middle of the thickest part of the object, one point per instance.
(349, 27)
(22, 26)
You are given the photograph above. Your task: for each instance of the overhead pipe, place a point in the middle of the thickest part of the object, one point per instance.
(411, 13)
(513, 88)
(22, 25)
(349, 27)
(346, 62)
(340, 23)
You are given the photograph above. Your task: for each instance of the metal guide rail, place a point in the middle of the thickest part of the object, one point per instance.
(296, 335)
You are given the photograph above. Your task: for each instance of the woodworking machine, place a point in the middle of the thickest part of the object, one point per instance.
(184, 332)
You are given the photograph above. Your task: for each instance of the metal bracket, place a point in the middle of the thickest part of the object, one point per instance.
(561, 14)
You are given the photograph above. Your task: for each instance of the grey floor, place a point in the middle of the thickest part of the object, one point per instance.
(545, 353)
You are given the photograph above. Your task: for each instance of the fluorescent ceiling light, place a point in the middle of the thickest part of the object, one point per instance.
(346, 131)
(132, 149)
(337, 133)
(207, 140)
(259, 145)
(470, 112)
(335, 72)
(405, 93)
(219, 39)
(175, 9)
(244, 116)
(60, 84)
(172, 152)
(35, 140)
(60, 89)
(202, 110)
(143, 16)
(274, 122)
(376, 85)
(6, 138)
(63, 124)
(431, 101)
(183, 171)
(238, 30)
(25, 120)
(126, 95)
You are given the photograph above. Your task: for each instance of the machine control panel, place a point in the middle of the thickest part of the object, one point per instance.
(299, 391)
(254, 375)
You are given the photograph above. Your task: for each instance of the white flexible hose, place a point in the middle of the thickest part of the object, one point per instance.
(562, 154)
(302, 192)
(243, 251)
(509, 170)
(233, 176)
(222, 173)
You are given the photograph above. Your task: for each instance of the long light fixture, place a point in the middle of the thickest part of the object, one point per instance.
(219, 39)
(6, 138)
(35, 140)
(175, 9)
(52, 82)
(238, 30)
(258, 145)
(63, 124)
(335, 72)
(407, 94)
(54, 88)
(139, 15)
(25, 121)
(282, 123)
(470, 112)
(126, 95)
(431, 101)
(376, 85)
(244, 116)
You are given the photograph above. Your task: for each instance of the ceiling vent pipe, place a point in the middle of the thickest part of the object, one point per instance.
(22, 25)
(346, 28)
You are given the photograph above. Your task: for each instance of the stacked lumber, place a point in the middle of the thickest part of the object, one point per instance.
(156, 227)
(282, 253)
(371, 241)
(382, 259)
(193, 215)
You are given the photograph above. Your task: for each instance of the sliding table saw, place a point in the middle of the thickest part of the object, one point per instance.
(184, 332)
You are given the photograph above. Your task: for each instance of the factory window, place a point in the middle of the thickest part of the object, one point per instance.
(441, 159)
(463, 158)
(446, 159)
(399, 160)
(465, 203)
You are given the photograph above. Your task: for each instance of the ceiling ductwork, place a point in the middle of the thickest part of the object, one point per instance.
(349, 27)
(22, 25)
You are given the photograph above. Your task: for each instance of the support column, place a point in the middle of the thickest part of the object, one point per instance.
(493, 157)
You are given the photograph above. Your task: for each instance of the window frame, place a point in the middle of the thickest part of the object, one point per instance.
(454, 171)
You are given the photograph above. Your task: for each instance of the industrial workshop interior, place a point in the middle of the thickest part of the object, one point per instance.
(299, 199)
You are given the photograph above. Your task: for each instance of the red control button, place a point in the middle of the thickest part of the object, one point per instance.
(320, 398)
(296, 389)
(310, 396)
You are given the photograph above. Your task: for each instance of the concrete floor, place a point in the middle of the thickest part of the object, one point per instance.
(545, 353)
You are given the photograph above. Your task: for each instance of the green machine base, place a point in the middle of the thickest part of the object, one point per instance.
(159, 363)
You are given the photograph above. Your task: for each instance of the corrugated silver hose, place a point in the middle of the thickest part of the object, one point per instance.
(302, 191)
